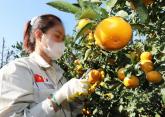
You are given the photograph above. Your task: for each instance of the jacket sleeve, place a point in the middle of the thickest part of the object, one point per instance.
(16, 93)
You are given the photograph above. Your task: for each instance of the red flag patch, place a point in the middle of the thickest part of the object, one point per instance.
(38, 78)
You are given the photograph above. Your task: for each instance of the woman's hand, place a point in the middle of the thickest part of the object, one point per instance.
(71, 89)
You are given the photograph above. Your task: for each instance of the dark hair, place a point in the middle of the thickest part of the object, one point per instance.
(43, 22)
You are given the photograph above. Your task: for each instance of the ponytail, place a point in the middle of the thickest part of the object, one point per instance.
(28, 41)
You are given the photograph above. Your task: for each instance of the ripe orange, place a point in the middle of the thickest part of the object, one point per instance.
(146, 65)
(79, 69)
(102, 74)
(94, 76)
(82, 23)
(111, 61)
(154, 76)
(131, 82)
(121, 73)
(113, 33)
(146, 56)
(147, 2)
(86, 111)
(77, 61)
(93, 88)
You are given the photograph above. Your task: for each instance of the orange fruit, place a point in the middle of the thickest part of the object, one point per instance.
(102, 74)
(77, 61)
(131, 82)
(93, 88)
(94, 76)
(90, 36)
(147, 2)
(146, 56)
(86, 111)
(121, 73)
(82, 23)
(146, 65)
(113, 33)
(111, 61)
(154, 76)
(79, 69)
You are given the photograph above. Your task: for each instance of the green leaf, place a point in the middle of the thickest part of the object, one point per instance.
(87, 53)
(157, 115)
(64, 6)
(143, 13)
(120, 108)
(141, 10)
(163, 95)
(86, 3)
(88, 13)
(110, 4)
(81, 3)
(122, 13)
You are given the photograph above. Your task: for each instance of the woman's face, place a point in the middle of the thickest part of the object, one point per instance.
(51, 43)
(56, 33)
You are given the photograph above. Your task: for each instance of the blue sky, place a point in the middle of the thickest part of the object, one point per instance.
(15, 13)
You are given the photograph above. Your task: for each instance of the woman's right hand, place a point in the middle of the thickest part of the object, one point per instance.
(71, 89)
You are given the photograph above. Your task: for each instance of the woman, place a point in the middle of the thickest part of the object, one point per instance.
(33, 86)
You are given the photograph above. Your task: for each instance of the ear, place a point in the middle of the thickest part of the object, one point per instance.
(38, 34)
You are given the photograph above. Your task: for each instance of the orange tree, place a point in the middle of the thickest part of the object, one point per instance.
(125, 40)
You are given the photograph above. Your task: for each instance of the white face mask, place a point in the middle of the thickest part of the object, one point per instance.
(53, 49)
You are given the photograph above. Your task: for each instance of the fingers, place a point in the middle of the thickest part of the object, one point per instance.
(83, 92)
(84, 84)
(84, 80)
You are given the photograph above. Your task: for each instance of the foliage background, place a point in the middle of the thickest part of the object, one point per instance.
(111, 98)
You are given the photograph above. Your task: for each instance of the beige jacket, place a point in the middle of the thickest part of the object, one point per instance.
(25, 84)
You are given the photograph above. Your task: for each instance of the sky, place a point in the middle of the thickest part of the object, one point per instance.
(15, 13)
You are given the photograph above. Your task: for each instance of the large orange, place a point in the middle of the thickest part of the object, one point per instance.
(131, 82)
(113, 33)
(154, 76)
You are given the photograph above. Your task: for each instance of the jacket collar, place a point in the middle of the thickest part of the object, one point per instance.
(39, 60)
(42, 63)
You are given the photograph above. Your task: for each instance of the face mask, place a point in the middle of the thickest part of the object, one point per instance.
(53, 49)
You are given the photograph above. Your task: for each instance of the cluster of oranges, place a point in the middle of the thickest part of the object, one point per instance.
(131, 82)
(147, 66)
(94, 78)
(86, 111)
(109, 35)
